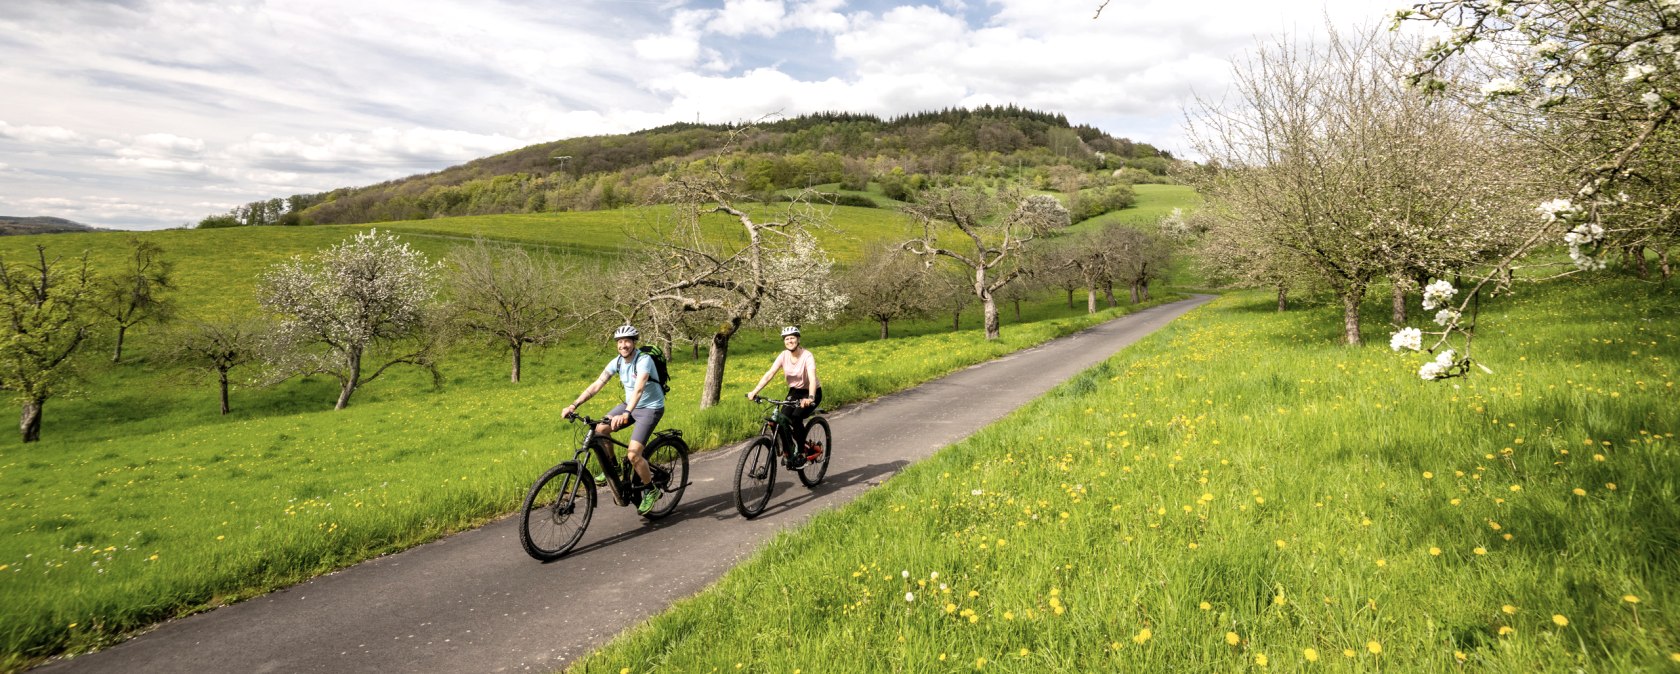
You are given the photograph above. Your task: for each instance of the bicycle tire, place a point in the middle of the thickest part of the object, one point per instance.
(811, 474)
(556, 512)
(667, 457)
(755, 477)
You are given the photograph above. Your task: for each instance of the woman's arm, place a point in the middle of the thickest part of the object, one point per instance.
(765, 380)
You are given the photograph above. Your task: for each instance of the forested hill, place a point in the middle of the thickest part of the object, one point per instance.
(11, 224)
(599, 172)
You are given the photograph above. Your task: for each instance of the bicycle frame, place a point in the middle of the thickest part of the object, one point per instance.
(617, 481)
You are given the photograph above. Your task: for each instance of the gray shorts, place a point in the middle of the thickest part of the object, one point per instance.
(644, 420)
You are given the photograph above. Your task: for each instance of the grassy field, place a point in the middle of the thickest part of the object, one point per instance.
(1239, 493)
(141, 502)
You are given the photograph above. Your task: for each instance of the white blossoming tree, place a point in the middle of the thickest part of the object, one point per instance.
(358, 309)
(993, 231)
(1330, 162)
(1598, 83)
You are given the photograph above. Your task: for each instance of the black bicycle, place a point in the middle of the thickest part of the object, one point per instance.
(755, 474)
(558, 508)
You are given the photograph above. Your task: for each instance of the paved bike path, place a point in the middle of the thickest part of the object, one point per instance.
(474, 602)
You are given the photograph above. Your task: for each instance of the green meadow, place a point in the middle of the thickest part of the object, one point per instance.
(141, 503)
(1240, 493)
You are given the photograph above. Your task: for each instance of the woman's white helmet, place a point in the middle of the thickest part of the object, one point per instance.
(626, 330)
(790, 330)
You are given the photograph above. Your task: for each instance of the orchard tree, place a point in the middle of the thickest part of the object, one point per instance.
(135, 293)
(1333, 158)
(1600, 82)
(45, 316)
(359, 308)
(773, 269)
(889, 285)
(503, 293)
(217, 346)
(993, 231)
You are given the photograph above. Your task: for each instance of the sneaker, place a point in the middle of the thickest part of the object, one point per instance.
(649, 497)
(600, 476)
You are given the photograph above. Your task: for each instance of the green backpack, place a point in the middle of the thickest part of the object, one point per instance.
(659, 366)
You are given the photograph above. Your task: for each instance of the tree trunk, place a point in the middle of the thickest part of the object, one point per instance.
(1017, 309)
(1350, 315)
(1091, 300)
(1108, 292)
(1136, 297)
(518, 358)
(116, 356)
(221, 375)
(956, 320)
(989, 312)
(1146, 291)
(1399, 315)
(1639, 265)
(883, 328)
(712, 390)
(1662, 264)
(1070, 298)
(348, 384)
(1283, 298)
(30, 422)
(694, 352)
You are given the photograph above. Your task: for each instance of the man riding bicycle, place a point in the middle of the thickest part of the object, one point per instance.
(799, 366)
(643, 405)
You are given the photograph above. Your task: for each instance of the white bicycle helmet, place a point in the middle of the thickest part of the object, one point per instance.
(790, 330)
(626, 330)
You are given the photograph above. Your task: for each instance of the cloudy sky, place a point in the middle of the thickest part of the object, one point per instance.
(142, 114)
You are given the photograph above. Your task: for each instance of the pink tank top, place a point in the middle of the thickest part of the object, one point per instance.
(796, 369)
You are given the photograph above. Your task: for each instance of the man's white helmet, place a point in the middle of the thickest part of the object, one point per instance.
(790, 330)
(626, 330)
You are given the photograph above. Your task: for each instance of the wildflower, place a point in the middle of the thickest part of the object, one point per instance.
(1506, 630)
(1025, 652)
(1610, 485)
(1142, 636)
(979, 662)
(1232, 638)
(1460, 656)
(1260, 659)
(1631, 599)
(1406, 338)
(1578, 491)
(1434, 551)
(905, 573)
(909, 596)
(1280, 544)
(1205, 606)
(1428, 475)
(1310, 654)
(1559, 620)
(1348, 652)
(1374, 647)
(1508, 609)
(1480, 550)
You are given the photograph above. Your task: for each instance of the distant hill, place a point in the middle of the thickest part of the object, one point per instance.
(11, 224)
(896, 156)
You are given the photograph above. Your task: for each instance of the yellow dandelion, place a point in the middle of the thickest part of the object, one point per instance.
(1260, 659)
(1382, 562)
(1480, 550)
(1142, 636)
(1578, 491)
(1374, 647)
(1205, 606)
(1508, 609)
(1559, 620)
(1434, 551)
(1348, 652)
(1025, 652)
(625, 670)
(1428, 475)
(1230, 638)
(1280, 544)
(1631, 599)
(1460, 656)
(979, 662)
(1506, 630)
(1516, 487)
(1310, 654)
(1610, 485)
(1279, 600)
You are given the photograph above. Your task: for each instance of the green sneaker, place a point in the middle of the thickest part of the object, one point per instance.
(650, 496)
(600, 475)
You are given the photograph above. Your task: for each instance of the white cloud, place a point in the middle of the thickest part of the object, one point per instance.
(57, 135)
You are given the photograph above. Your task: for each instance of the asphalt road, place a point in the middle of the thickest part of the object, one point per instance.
(474, 602)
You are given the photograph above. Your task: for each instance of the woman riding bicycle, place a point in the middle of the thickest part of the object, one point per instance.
(800, 367)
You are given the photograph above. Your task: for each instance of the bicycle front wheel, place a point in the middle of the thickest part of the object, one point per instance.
(755, 477)
(667, 457)
(817, 439)
(556, 511)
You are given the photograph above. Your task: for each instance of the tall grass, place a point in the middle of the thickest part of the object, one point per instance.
(1238, 493)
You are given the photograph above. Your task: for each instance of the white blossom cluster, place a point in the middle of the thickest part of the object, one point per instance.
(370, 287)
(1406, 339)
(801, 282)
(1437, 294)
(1583, 236)
(1437, 368)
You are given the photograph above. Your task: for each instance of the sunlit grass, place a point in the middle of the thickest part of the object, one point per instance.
(1239, 493)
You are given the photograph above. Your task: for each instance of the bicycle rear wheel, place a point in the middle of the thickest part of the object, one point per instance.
(556, 511)
(811, 474)
(755, 477)
(667, 457)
